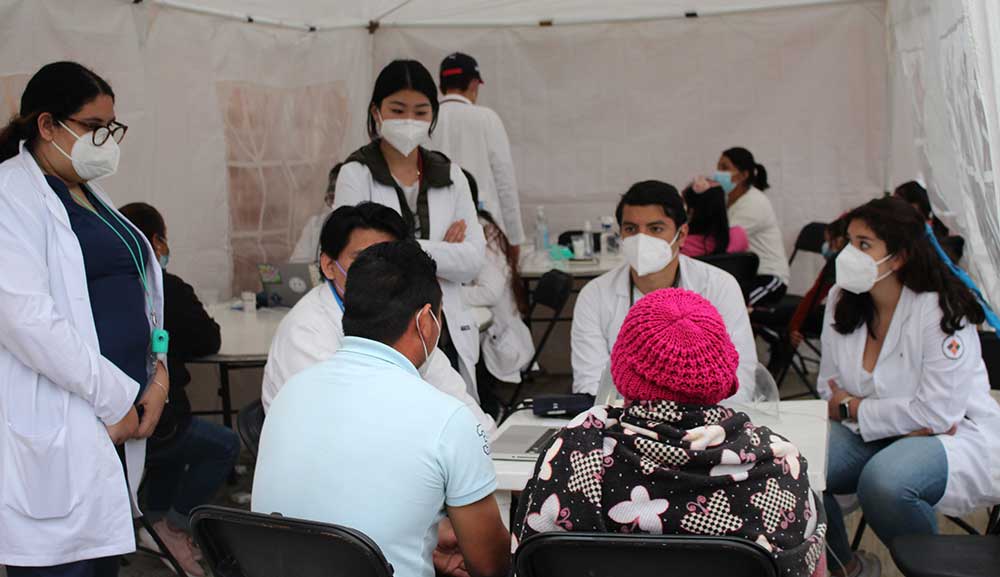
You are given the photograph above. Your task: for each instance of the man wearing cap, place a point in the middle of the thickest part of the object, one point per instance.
(474, 137)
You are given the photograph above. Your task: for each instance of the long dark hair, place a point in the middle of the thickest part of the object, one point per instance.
(744, 161)
(402, 75)
(707, 213)
(498, 240)
(901, 228)
(59, 88)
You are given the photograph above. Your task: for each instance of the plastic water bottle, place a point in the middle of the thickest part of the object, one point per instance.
(541, 231)
(588, 240)
(605, 236)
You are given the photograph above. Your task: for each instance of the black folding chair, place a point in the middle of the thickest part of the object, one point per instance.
(553, 290)
(742, 265)
(242, 544)
(810, 239)
(249, 423)
(950, 555)
(616, 555)
(991, 356)
(771, 323)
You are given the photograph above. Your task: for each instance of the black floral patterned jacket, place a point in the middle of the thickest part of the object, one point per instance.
(666, 468)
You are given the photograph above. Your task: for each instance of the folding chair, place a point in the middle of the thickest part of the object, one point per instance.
(249, 424)
(242, 544)
(950, 555)
(616, 555)
(553, 290)
(742, 265)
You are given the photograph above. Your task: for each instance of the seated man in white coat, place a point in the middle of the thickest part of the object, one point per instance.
(653, 224)
(313, 329)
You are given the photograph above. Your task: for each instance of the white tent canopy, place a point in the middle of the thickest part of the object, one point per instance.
(238, 108)
(332, 14)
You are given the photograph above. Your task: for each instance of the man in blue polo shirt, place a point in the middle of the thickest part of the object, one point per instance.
(361, 440)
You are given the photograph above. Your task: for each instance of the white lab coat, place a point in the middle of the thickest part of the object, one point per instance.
(456, 262)
(507, 346)
(312, 332)
(307, 248)
(474, 137)
(602, 305)
(919, 383)
(62, 492)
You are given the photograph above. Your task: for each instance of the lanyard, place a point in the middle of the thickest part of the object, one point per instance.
(336, 296)
(136, 260)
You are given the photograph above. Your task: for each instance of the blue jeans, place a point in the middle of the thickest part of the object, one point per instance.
(188, 471)
(103, 567)
(897, 481)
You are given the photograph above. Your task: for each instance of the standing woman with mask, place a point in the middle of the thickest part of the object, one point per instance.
(427, 189)
(916, 430)
(82, 346)
(744, 182)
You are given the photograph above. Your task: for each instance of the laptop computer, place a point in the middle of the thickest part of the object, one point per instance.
(285, 284)
(524, 442)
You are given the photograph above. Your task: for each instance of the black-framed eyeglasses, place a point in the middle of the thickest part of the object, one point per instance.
(101, 134)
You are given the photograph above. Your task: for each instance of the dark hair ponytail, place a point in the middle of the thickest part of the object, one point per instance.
(901, 228)
(59, 88)
(744, 161)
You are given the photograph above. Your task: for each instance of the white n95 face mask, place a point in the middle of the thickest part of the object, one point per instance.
(856, 271)
(405, 134)
(648, 254)
(92, 162)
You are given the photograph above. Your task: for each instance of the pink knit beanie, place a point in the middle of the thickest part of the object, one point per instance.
(674, 346)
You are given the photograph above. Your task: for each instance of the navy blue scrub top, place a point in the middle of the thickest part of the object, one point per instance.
(117, 297)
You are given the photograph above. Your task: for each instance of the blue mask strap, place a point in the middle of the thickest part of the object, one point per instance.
(991, 317)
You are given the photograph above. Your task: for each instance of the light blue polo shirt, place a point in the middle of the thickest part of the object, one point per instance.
(362, 441)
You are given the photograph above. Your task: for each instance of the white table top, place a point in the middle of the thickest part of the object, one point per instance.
(247, 336)
(533, 268)
(804, 423)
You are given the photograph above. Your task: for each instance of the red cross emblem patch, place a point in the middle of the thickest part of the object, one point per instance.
(953, 347)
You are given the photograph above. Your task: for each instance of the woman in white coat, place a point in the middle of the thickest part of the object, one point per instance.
(313, 330)
(916, 430)
(507, 346)
(427, 189)
(80, 316)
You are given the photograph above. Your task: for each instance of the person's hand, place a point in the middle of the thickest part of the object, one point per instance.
(447, 557)
(837, 396)
(926, 432)
(456, 232)
(795, 338)
(152, 402)
(702, 183)
(124, 429)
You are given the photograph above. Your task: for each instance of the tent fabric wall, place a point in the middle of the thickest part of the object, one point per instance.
(945, 53)
(592, 109)
(166, 67)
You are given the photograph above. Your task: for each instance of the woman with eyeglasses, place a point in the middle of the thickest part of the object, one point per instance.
(83, 378)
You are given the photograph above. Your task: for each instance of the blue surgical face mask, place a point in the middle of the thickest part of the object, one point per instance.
(164, 259)
(725, 180)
